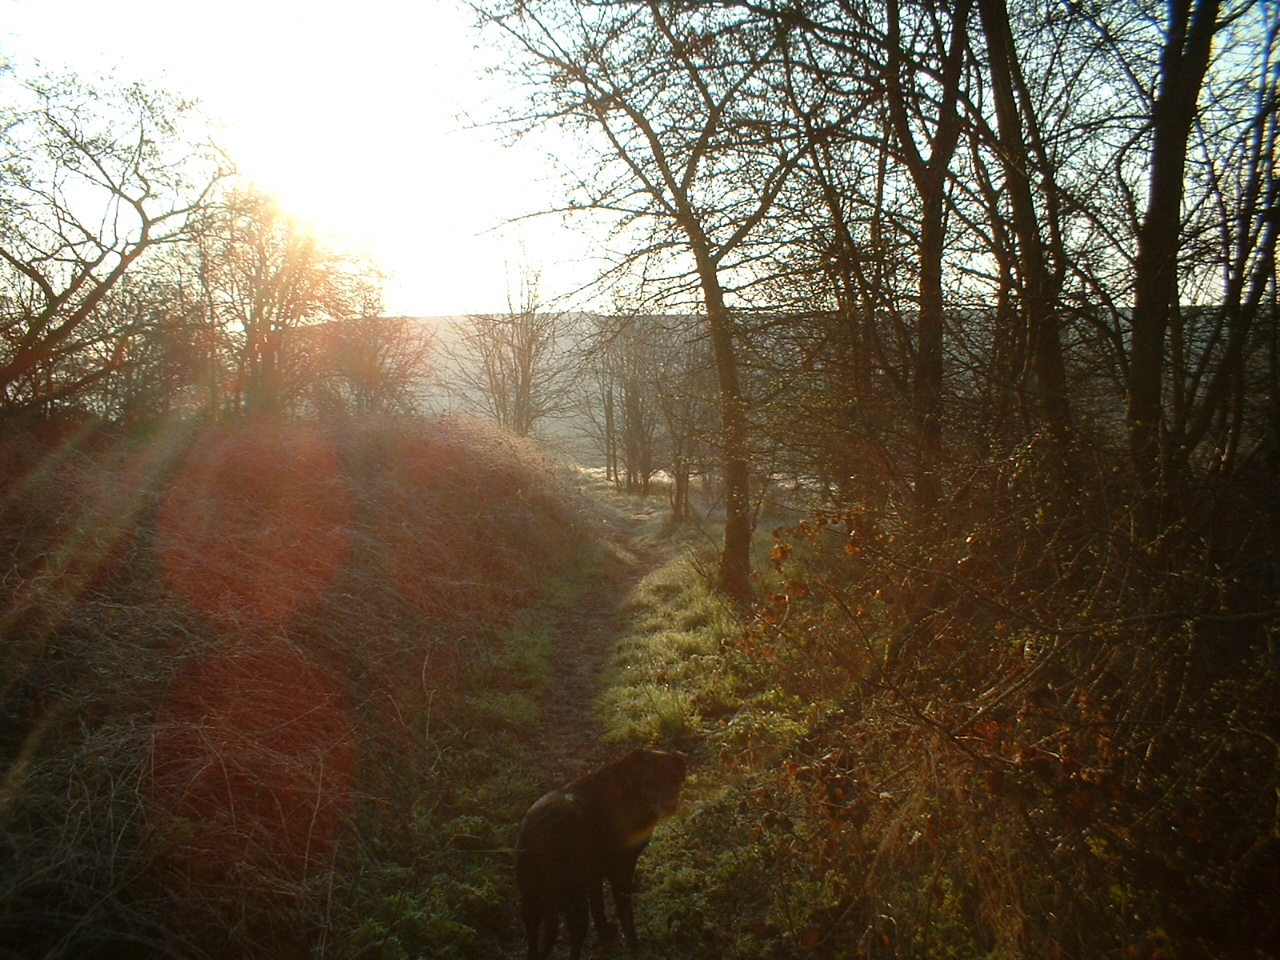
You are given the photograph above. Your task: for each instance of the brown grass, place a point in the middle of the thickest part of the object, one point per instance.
(225, 649)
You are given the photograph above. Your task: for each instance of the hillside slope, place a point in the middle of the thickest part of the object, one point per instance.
(268, 691)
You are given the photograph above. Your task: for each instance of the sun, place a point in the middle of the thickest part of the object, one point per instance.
(364, 120)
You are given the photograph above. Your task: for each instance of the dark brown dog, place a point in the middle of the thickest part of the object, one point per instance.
(589, 831)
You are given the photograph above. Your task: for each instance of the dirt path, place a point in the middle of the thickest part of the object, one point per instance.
(571, 738)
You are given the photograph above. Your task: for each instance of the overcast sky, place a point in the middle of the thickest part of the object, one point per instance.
(360, 115)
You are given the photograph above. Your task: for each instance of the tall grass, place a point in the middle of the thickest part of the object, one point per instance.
(265, 688)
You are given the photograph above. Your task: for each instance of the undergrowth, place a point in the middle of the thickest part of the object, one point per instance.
(271, 694)
(1021, 734)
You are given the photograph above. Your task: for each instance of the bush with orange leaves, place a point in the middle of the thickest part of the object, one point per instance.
(1028, 733)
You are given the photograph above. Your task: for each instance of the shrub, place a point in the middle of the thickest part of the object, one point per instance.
(1025, 733)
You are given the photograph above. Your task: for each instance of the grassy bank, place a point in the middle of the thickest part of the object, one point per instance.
(268, 691)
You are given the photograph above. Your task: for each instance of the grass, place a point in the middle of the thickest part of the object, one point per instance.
(267, 691)
(329, 759)
(663, 682)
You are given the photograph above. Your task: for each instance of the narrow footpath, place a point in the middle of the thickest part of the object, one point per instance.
(570, 739)
(585, 637)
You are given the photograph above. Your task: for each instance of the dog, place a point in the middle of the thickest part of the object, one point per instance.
(588, 831)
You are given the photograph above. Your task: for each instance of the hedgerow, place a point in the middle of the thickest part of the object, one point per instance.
(1018, 732)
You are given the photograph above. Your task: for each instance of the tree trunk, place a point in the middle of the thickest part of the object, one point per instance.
(1182, 69)
(926, 394)
(610, 439)
(1039, 288)
(734, 578)
(929, 174)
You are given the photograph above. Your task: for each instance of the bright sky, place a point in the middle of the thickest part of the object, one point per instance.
(359, 115)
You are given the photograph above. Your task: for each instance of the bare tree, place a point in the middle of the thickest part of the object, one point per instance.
(688, 139)
(685, 398)
(158, 362)
(1041, 261)
(1228, 253)
(623, 400)
(512, 366)
(602, 400)
(92, 179)
(265, 284)
(1184, 61)
(368, 364)
(922, 80)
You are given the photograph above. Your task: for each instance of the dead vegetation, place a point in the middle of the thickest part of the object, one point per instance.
(1024, 733)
